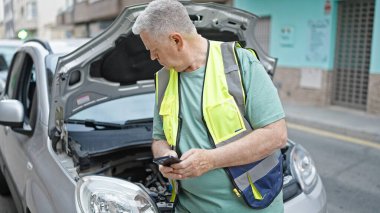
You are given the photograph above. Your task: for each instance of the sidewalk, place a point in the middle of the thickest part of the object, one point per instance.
(335, 119)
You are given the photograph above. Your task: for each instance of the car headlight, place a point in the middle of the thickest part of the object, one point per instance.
(97, 194)
(302, 166)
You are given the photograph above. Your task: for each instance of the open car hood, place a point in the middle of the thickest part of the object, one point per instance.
(116, 64)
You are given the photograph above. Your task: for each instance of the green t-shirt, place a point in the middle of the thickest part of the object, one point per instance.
(212, 192)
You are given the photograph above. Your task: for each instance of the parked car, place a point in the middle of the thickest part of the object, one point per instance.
(7, 49)
(76, 128)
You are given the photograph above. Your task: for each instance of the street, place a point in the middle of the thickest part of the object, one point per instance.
(349, 172)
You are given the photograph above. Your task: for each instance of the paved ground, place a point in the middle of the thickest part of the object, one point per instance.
(346, 149)
(352, 123)
(350, 172)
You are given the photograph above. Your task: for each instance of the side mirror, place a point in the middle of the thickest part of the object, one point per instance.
(11, 113)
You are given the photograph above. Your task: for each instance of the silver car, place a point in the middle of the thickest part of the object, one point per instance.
(76, 128)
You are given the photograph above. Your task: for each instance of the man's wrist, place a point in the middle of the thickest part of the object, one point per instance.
(160, 148)
(212, 158)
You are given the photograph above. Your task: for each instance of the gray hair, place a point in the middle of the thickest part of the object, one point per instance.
(164, 16)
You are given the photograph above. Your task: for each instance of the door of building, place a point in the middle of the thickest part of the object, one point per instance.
(353, 53)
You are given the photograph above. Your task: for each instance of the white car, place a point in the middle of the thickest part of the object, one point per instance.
(76, 128)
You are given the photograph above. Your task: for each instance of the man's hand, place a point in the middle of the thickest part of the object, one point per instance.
(167, 171)
(253, 147)
(194, 163)
(161, 148)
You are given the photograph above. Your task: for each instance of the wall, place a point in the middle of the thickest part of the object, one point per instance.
(302, 38)
(306, 59)
(47, 17)
(298, 14)
(299, 47)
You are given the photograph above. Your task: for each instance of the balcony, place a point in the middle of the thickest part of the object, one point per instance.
(125, 3)
(21, 24)
(81, 12)
(108, 9)
(65, 18)
(99, 10)
(216, 1)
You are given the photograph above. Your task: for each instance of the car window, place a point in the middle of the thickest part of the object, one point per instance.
(22, 86)
(15, 72)
(120, 110)
(8, 52)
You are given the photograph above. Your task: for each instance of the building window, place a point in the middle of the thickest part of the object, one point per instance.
(22, 12)
(31, 10)
(69, 3)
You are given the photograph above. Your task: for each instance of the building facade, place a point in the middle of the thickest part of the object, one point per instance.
(35, 18)
(8, 24)
(2, 27)
(328, 50)
(87, 18)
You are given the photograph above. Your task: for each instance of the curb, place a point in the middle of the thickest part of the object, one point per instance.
(373, 137)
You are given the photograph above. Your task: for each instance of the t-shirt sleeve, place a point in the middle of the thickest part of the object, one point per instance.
(263, 105)
(158, 132)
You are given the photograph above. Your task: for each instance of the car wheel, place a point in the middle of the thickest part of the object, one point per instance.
(4, 190)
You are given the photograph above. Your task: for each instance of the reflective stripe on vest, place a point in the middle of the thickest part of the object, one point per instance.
(223, 107)
(168, 102)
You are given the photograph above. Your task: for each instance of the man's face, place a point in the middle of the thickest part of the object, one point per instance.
(163, 50)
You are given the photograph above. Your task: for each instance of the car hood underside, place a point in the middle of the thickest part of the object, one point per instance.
(116, 64)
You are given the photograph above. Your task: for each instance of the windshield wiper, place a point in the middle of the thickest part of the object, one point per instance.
(96, 124)
(145, 122)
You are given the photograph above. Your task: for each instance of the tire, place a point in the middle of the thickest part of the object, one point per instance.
(4, 190)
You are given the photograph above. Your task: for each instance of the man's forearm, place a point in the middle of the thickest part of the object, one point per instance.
(253, 147)
(160, 148)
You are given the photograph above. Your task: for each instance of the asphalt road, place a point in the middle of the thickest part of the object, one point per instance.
(350, 173)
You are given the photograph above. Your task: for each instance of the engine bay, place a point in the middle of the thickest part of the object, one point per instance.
(129, 159)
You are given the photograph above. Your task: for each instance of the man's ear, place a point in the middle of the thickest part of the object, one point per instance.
(177, 40)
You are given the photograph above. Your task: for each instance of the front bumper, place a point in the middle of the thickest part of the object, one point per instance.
(315, 202)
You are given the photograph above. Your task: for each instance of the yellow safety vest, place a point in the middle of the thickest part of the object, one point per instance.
(223, 102)
(221, 113)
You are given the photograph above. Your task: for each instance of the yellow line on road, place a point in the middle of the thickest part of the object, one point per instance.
(334, 135)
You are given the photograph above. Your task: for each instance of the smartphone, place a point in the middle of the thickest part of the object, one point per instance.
(166, 160)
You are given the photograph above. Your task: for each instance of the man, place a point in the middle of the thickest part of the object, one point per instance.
(190, 117)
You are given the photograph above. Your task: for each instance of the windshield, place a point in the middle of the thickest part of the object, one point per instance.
(120, 110)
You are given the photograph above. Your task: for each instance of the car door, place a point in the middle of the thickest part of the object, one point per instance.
(16, 142)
